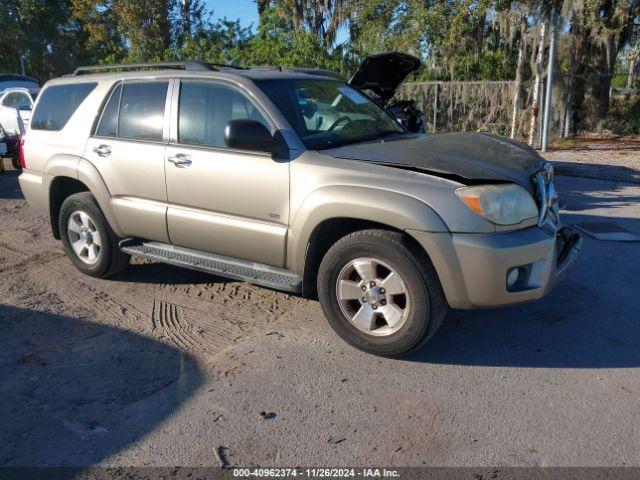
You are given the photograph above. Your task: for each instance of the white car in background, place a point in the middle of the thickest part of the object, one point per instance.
(17, 96)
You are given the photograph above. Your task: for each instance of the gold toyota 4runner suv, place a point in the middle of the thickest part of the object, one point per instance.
(296, 180)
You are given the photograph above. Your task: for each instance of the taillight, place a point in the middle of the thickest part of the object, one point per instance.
(23, 163)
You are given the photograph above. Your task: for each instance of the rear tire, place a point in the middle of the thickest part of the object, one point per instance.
(88, 240)
(391, 321)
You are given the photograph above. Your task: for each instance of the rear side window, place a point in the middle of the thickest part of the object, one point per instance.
(18, 100)
(108, 126)
(58, 103)
(142, 110)
(206, 108)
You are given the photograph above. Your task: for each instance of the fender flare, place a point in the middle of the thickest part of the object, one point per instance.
(80, 169)
(90, 176)
(62, 165)
(362, 203)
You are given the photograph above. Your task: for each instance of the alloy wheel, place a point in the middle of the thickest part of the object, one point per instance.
(84, 237)
(373, 296)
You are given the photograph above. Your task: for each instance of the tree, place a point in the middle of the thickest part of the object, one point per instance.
(191, 20)
(320, 17)
(221, 42)
(374, 24)
(537, 85)
(96, 25)
(262, 6)
(146, 25)
(632, 59)
(38, 30)
(600, 30)
(611, 23)
(517, 100)
(280, 43)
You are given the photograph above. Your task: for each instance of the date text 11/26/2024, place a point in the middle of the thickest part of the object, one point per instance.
(315, 472)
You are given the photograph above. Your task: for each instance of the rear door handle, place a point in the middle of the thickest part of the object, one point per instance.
(103, 150)
(180, 160)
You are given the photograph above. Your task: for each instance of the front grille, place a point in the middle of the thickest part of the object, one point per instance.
(547, 196)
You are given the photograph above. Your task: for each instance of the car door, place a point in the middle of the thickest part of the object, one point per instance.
(223, 200)
(128, 149)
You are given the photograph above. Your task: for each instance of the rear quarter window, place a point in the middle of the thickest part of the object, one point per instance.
(108, 126)
(58, 103)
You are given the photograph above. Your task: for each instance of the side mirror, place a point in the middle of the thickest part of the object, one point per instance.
(249, 135)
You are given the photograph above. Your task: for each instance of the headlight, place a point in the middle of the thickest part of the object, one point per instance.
(506, 204)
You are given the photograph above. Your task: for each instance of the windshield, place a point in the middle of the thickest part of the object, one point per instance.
(327, 114)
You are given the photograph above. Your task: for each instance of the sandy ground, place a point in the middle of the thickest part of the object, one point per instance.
(161, 366)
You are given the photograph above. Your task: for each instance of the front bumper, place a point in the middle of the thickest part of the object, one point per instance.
(473, 268)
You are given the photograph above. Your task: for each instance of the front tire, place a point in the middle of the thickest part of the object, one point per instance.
(88, 239)
(380, 293)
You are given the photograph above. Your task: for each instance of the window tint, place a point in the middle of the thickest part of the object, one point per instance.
(58, 103)
(108, 126)
(17, 100)
(9, 100)
(205, 110)
(142, 110)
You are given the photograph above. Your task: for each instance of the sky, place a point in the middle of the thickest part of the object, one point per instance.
(245, 10)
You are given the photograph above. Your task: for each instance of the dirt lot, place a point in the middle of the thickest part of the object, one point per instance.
(162, 366)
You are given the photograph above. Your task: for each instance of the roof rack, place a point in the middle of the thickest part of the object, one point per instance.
(186, 65)
(314, 71)
(231, 67)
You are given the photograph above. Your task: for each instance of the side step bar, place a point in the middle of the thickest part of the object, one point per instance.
(258, 273)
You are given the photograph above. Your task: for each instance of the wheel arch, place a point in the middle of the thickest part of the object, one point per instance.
(318, 223)
(60, 189)
(69, 179)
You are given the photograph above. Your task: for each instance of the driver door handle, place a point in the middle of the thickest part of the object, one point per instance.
(103, 150)
(180, 160)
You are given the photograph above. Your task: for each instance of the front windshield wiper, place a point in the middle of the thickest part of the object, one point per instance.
(387, 133)
(350, 141)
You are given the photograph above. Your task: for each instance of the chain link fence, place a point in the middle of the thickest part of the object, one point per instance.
(488, 106)
(591, 113)
(463, 106)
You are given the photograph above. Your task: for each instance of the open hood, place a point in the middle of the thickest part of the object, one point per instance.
(383, 73)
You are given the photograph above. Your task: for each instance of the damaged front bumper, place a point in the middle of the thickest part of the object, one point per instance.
(499, 269)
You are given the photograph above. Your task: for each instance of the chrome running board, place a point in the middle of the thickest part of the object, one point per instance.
(235, 268)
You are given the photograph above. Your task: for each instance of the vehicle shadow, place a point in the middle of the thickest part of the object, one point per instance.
(617, 173)
(76, 392)
(590, 319)
(9, 186)
(156, 272)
